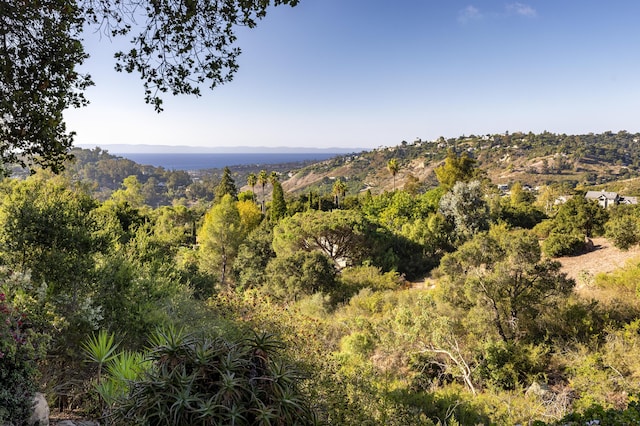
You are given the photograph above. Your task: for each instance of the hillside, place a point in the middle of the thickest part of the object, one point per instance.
(579, 160)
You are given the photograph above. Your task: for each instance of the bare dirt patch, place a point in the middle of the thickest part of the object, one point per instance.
(603, 258)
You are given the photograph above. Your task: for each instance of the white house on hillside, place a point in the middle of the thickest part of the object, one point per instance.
(608, 199)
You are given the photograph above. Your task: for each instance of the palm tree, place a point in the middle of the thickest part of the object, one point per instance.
(339, 189)
(252, 180)
(273, 177)
(393, 168)
(263, 179)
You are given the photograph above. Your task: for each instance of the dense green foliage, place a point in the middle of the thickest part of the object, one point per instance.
(20, 350)
(40, 52)
(405, 307)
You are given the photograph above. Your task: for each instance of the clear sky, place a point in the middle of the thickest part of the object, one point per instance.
(370, 73)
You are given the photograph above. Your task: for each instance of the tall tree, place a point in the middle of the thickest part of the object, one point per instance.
(39, 53)
(339, 234)
(130, 193)
(181, 46)
(278, 204)
(393, 167)
(227, 186)
(339, 189)
(252, 180)
(220, 237)
(263, 179)
(47, 227)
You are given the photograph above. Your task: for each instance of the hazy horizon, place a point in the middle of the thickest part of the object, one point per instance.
(190, 149)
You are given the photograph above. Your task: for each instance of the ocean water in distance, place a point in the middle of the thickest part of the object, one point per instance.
(218, 161)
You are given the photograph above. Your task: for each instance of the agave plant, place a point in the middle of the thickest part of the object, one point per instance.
(195, 380)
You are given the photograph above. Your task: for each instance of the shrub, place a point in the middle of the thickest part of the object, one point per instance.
(301, 274)
(507, 365)
(354, 279)
(563, 245)
(623, 231)
(544, 228)
(597, 415)
(201, 381)
(20, 347)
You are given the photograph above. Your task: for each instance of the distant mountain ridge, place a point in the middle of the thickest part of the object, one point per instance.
(175, 149)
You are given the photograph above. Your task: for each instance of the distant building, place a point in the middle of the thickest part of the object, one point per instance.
(562, 199)
(608, 199)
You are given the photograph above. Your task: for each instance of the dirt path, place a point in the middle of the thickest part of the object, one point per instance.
(604, 258)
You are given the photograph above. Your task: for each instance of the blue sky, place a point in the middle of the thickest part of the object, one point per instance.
(370, 73)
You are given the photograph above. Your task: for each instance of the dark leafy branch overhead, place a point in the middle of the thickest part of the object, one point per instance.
(39, 51)
(177, 47)
(181, 45)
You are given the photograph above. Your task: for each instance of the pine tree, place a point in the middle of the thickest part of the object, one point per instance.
(226, 186)
(278, 204)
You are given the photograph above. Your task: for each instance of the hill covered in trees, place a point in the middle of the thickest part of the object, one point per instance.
(580, 161)
(531, 159)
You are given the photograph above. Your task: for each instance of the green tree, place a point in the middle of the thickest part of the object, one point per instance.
(227, 186)
(339, 188)
(252, 181)
(278, 208)
(518, 210)
(47, 227)
(130, 193)
(466, 207)
(580, 216)
(175, 225)
(501, 275)
(220, 237)
(393, 167)
(455, 169)
(263, 179)
(40, 52)
(254, 254)
(177, 182)
(339, 234)
(623, 227)
(302, 273)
